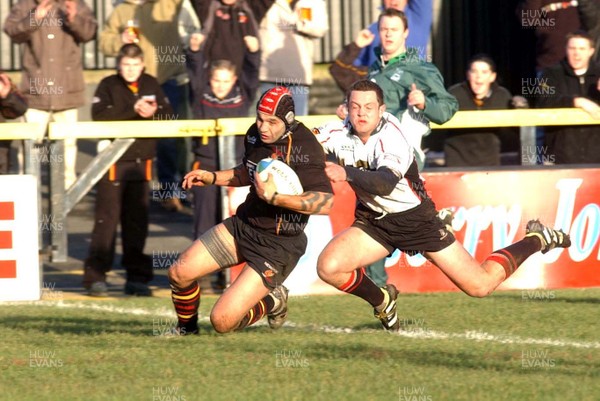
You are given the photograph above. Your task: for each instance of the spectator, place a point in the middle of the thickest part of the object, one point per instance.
(552, 20)
(574, 82)
(589, 14)
(51, 33)
(479, 147)
(122, 194)
(220, 94)
(406, 79)
(153, 25)
(419, 14)
(286, 36)
(234, 22)
(12, 105)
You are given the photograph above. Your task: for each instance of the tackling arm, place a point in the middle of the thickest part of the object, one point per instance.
(380, 182)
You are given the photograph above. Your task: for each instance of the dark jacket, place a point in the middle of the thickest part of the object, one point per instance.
(224, 27)
(551, 28)
(205, 105)
(476, 146)
(13, 106)
(114, 101)
(589, 13)
(571, 144)
(51, 53)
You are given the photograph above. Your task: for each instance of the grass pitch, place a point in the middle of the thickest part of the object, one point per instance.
(519, 345)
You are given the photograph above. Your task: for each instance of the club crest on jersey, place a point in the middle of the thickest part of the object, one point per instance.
(270, 272)
(252, 140)
(251, 166)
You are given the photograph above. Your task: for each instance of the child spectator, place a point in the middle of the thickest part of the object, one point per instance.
(122, 194)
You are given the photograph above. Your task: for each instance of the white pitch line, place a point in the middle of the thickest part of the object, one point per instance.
(427, 334)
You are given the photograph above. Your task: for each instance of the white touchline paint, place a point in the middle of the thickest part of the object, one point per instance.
(471, 335)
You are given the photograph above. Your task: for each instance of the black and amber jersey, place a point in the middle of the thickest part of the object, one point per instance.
(304, 154)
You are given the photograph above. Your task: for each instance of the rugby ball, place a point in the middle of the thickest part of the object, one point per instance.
(286, 180)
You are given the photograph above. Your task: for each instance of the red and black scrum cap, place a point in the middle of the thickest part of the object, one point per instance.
(278, 102)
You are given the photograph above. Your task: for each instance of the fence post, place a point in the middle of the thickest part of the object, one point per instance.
(528, 152)
(58, 238)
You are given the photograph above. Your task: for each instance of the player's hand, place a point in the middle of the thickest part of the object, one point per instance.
(251, 43)
(364, 38)
(198, 178)
(335, 172)
(265, 189)
(43, 8)
(5, 86)
(416, 97)
(196, 40)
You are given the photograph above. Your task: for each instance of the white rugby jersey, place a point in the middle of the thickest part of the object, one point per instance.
(387, 147)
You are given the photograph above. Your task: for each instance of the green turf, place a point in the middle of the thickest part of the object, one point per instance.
(332, 350)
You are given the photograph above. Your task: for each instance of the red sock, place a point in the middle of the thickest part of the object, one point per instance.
(511, 257)
(186, 303)
(363, 287)
(259, 311)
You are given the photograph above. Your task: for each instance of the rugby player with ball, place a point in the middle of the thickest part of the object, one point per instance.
(266, 233)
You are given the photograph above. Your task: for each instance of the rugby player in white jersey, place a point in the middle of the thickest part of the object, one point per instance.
(395, 211)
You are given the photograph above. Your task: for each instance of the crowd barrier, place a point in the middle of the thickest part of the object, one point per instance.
(124, 132)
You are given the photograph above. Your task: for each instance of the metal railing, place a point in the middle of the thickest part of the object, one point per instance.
(63, 200)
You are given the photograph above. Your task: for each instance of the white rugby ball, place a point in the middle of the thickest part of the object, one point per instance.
(286, 180)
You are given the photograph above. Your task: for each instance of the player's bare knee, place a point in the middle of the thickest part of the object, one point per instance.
(477, 291)
(326, 267)
(177, 275)
(220, 323)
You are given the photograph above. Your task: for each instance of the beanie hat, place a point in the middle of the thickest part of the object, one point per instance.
(278, 102)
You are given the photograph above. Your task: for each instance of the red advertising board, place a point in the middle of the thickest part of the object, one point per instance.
(491, 211)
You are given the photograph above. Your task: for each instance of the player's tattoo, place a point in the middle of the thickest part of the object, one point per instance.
(219, 248)
(314, 202)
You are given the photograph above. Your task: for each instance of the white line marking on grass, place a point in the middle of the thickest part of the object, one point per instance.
(118, 310)
(470, 335)
(502, 339)
(99, 307)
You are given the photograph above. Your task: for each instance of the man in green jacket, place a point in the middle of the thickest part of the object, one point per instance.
(406, 79)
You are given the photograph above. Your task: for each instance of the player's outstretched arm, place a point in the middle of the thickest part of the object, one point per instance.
(235, 177)
(310, 202)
